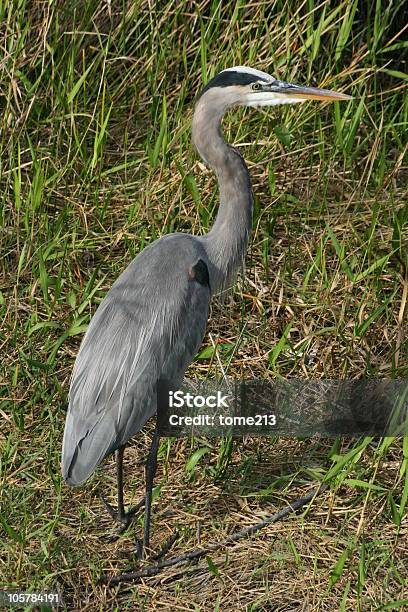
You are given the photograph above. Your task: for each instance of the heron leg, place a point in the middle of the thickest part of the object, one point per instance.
(120, 515)
(151, 466)
(119, 477)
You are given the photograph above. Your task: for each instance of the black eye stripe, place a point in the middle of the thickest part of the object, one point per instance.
(232, 77)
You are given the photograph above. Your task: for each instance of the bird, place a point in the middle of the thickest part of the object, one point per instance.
(152, 321)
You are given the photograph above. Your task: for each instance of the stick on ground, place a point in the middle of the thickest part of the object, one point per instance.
(154, 569)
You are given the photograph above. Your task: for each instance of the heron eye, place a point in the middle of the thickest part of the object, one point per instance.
(256, 86)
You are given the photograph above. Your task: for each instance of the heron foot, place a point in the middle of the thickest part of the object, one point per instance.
(141, 549)
(166, 546)
(125, 518)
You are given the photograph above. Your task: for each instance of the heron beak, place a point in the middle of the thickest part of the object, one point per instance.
(299, 93)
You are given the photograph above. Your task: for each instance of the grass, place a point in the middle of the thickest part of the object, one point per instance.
(96, 102)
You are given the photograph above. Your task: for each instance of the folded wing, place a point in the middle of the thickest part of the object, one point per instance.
(149, 326)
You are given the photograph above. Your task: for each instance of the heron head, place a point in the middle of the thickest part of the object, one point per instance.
(242, 86)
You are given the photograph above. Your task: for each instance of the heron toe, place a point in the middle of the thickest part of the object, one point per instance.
(142, 549)
(166, 546)
(125, 518)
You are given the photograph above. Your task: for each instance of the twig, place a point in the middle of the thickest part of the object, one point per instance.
(153, 570)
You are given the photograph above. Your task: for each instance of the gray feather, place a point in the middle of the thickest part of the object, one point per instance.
(149, 326)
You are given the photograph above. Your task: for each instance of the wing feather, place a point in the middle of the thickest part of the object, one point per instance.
(149, 326)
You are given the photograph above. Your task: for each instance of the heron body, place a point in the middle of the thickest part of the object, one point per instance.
(152, 321)
(129, 346)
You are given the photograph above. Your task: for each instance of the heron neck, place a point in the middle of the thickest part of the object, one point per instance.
(227, 240)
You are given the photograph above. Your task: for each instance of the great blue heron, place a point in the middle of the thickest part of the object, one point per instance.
(152, 321)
